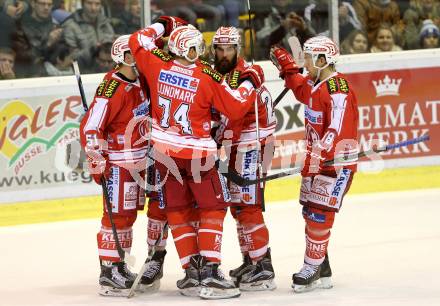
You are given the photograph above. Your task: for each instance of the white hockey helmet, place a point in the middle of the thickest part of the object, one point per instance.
(119, 47)
(183, 38)
(227, 36)
(322, 45)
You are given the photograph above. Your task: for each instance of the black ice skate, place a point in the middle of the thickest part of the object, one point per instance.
(190, 284)
(325, 274)
(213, 283)
(150, 281)
(261, 277)
(245, 267)
(115, 279)
(306, 279)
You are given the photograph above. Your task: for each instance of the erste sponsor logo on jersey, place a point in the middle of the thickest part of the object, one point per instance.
(179, 80)
(340, 186)
(313, 116)
(249, 172)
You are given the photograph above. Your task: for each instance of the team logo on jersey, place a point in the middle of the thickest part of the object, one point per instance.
(179, 80)
(313, 116)
(141, 110)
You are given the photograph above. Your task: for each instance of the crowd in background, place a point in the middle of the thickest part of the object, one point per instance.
(43, 37)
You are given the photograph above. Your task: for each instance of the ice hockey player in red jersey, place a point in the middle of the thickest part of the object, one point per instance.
(256, 273)
(117, 153)
(182, 94)
(331, 123)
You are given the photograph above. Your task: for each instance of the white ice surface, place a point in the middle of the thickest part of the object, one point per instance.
(384, 251)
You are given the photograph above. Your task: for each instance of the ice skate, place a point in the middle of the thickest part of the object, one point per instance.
(150, 281)
(115, 279)
(325, 274)
(261, 277)
(244, 268)
(213, 283)
(190, 284)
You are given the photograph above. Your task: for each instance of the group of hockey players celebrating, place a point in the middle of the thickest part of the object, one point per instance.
(156, 127)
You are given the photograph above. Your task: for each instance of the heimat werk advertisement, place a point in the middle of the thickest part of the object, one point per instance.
(394, 105)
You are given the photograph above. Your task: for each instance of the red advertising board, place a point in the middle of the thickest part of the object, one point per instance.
(394, 106)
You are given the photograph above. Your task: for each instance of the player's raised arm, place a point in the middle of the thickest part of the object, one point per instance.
(242, 97)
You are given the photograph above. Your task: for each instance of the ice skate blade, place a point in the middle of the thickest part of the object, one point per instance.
(325, 283)
(209, 293)
(149, 289)
(264, 285)
(111, 291)
(193, 291)
(322, 283)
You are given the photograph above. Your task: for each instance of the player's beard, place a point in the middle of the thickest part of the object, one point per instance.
(224, 65)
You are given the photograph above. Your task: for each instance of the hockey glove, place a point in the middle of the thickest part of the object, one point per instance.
(283, 60)
(97, 165)
(254, 74)
(170, 23)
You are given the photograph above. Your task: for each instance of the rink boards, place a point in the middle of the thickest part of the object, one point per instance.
(397, 96)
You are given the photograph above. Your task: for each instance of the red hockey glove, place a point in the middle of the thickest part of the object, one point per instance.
(170, 23)
(283, 60)
(97, 165)
(159, 43)
(316, 159)
(254, 74)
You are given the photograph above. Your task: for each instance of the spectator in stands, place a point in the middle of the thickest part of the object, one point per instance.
(7, 27)
(230, 10)
(86, 30)
(130, 20)
(317, 16)
(102, 59)
(59, 62)
(356, 42)
(281, 23)
(384, 40)
(7, 62)
(190, 10)
(156, 10)
(429, 35)
(39, 29)
(413, 18)
(372, 13)
(15, 8)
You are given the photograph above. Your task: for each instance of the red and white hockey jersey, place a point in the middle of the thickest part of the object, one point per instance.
(244, 128)
(331, 116)
(116, 120)
(182, 96)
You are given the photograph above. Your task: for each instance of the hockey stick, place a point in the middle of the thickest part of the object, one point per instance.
(144, 266)
(298, 56)
(257, 119)
(125, 256)
(239, 180)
